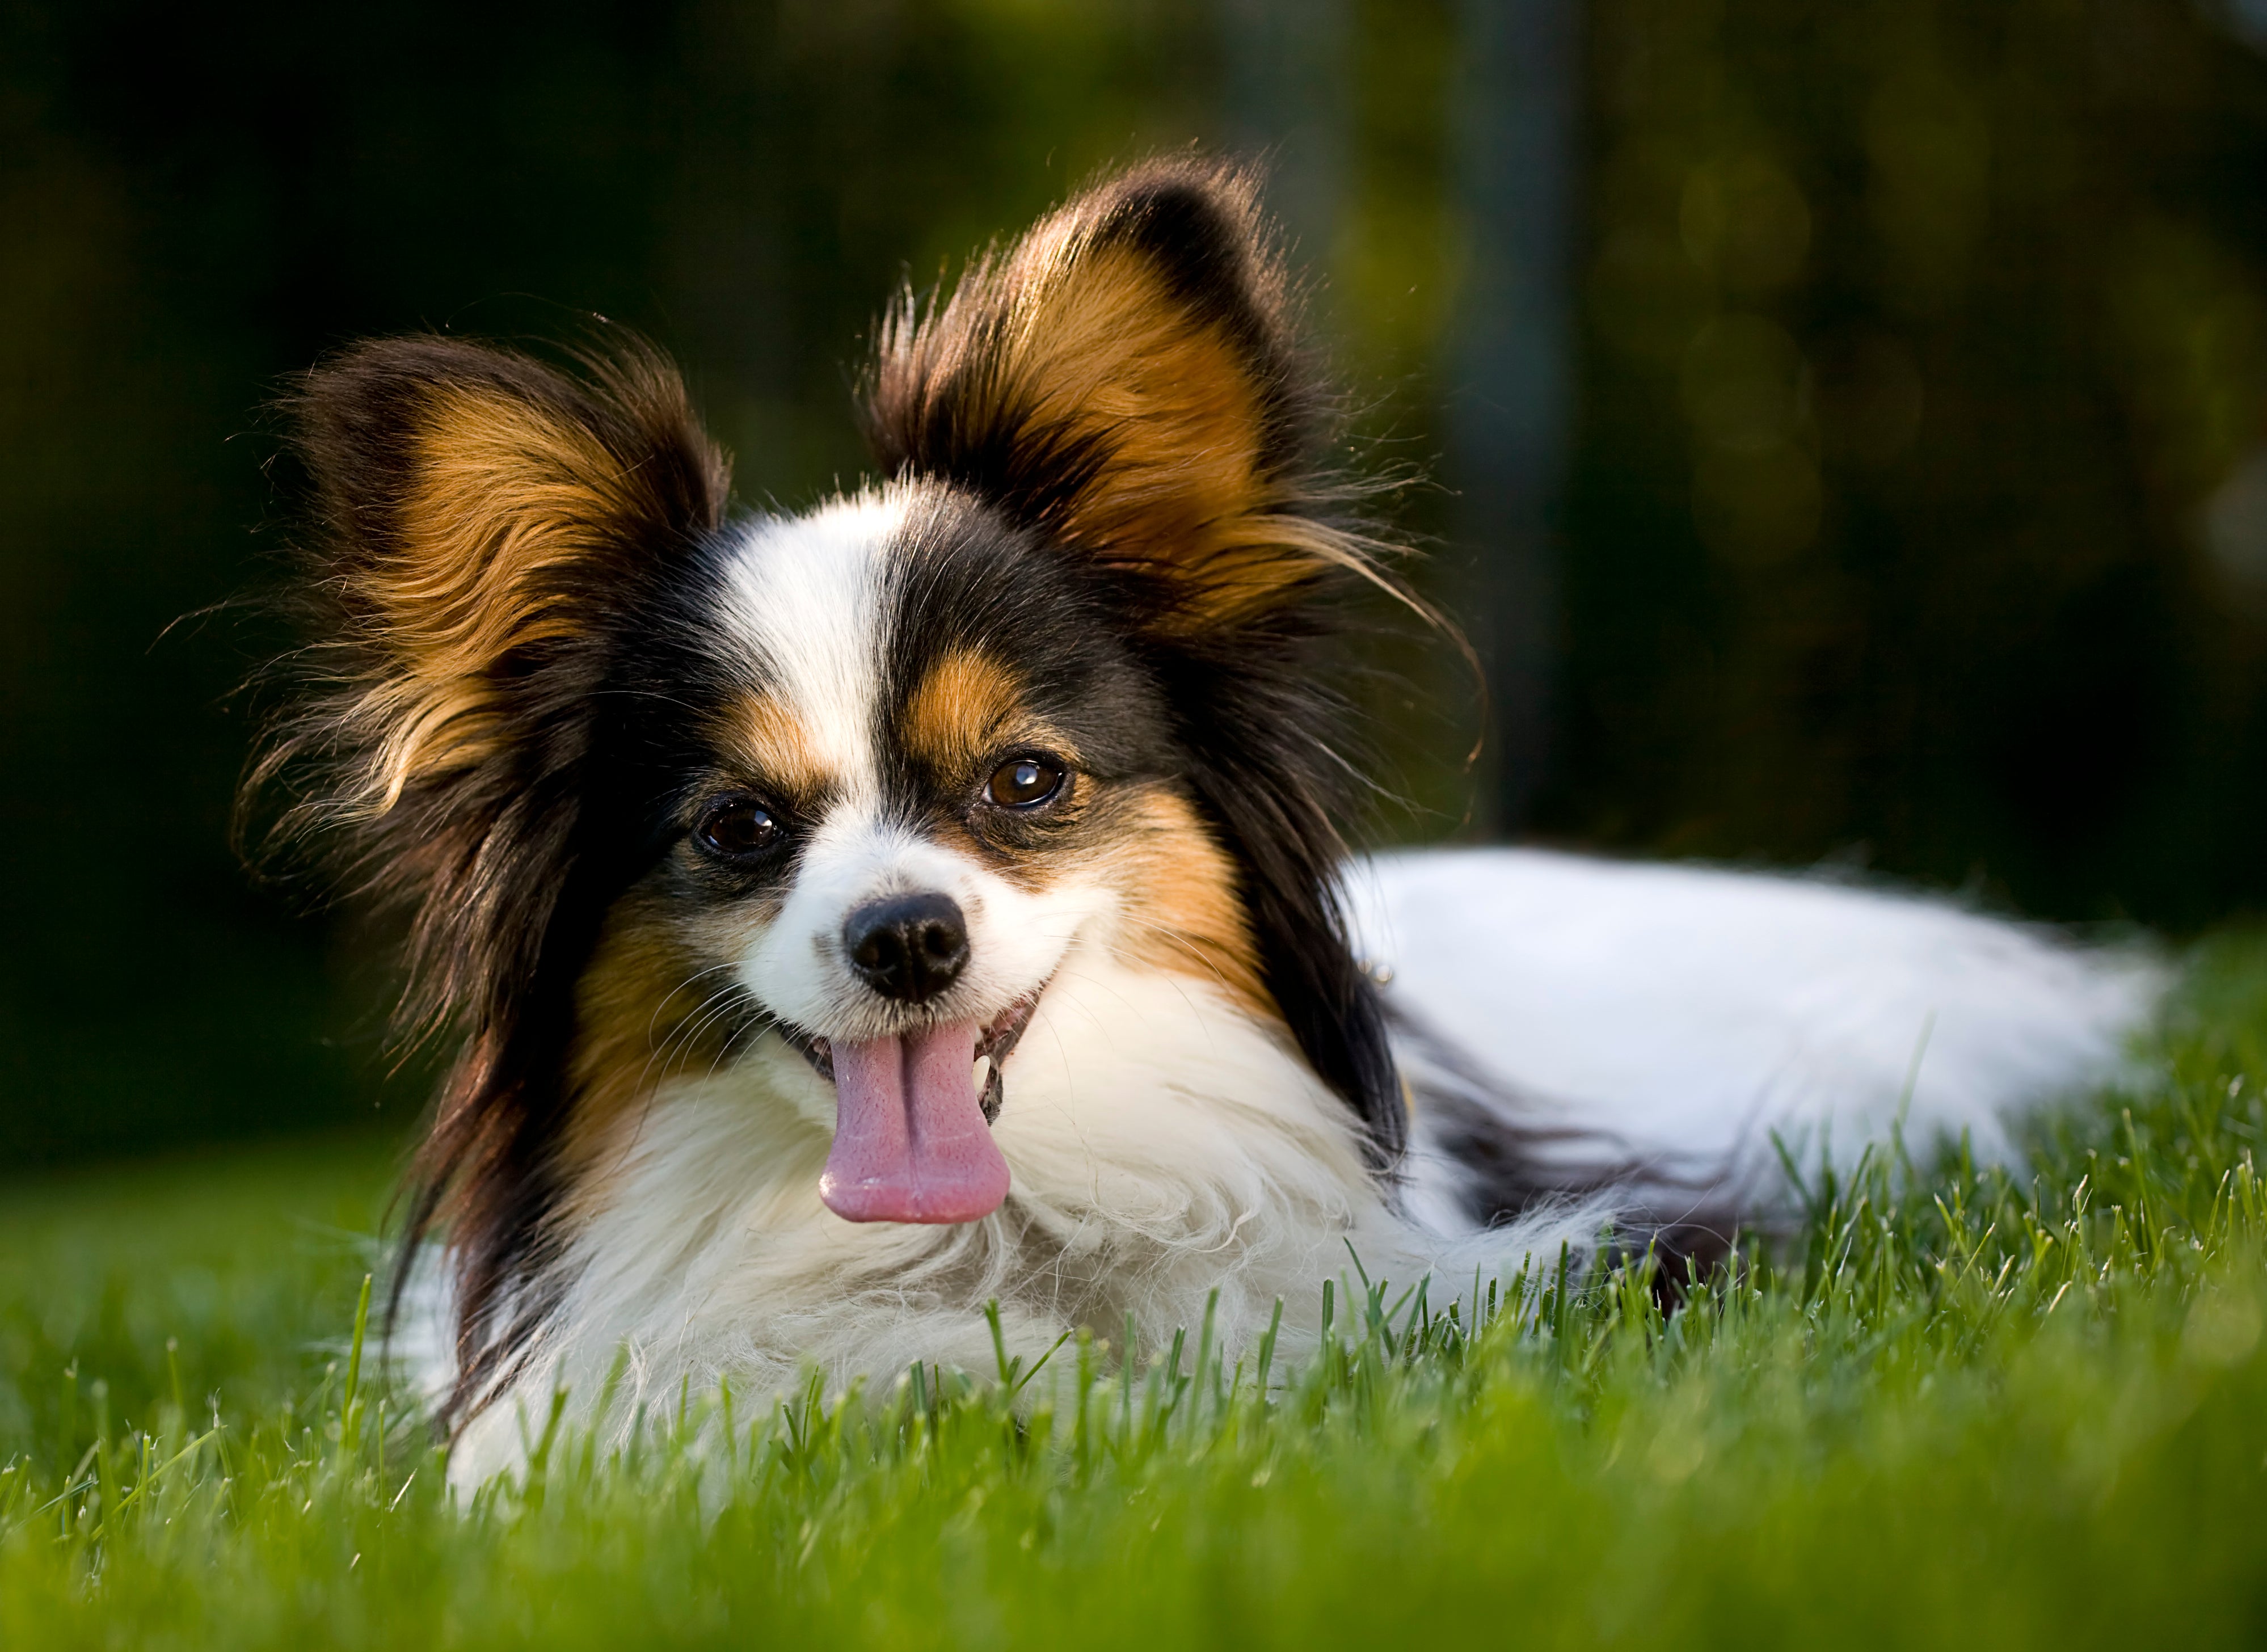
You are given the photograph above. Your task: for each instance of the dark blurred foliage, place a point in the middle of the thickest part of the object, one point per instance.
(1914, 500)
(1922, 346)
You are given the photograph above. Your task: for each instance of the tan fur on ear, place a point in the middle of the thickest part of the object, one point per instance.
(481, 530)
(484, 508)
(504, 494)
(1125, 378)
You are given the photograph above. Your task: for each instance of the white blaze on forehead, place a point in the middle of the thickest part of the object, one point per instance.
(806, 600)
(807, 597)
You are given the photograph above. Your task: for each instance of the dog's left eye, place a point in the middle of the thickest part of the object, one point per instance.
(738, 829)
(1023, 782)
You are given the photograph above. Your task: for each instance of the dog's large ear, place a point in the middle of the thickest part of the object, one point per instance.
(1124, 380)
(480, 516)
(481, 528)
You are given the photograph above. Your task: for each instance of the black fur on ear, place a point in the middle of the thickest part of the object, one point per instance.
(1127, 380)
(481, 527)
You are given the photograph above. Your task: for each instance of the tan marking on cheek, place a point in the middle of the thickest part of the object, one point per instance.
(1182, 912)
(765, 735)
(956, 714)
(647, 1010)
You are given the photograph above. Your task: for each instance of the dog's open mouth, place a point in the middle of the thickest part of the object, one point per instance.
(913, 1111)
(994, 1045)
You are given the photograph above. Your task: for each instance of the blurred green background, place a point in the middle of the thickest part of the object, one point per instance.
(1847, 419)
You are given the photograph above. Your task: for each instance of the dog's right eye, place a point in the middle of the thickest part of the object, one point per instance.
(1023, 782)
(738, 829)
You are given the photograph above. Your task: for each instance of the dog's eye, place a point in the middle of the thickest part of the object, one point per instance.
(738, 829)
(1023, 782)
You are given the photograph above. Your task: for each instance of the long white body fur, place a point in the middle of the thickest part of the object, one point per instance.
(1691, 1015)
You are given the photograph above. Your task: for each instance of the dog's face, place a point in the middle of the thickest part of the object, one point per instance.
(664, 788)
(916, 763)
(926, 774)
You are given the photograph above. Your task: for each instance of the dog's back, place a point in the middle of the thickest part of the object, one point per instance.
(1678, 1032)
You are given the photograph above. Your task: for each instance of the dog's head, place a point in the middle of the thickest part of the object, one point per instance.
(658, 784)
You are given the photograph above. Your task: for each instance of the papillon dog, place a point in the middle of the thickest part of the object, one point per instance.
(841, 921)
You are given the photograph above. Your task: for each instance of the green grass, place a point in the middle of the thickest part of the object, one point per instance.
(1961, 1407)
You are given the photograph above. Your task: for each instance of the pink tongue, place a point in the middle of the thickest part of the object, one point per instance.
(910, 1140)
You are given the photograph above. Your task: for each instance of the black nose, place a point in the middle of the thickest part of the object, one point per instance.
(910, 947)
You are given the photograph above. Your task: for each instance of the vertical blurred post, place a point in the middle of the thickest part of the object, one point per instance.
(1507, 379)
(1287, 101)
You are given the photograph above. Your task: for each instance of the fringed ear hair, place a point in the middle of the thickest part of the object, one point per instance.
(481, 515)
(1124, 380)
(482, 527)
(480, 524)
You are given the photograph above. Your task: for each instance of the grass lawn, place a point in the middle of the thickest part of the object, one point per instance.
(1959, 1408)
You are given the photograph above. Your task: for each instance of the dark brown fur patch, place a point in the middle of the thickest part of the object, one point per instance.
(966, 704)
